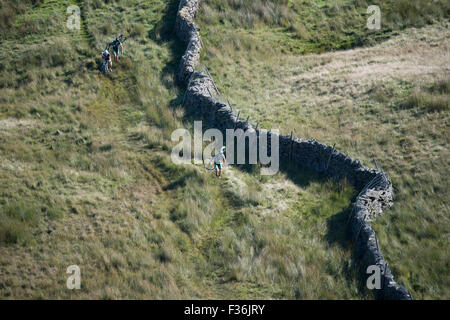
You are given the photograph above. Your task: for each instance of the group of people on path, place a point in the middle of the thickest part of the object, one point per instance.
(117, 49)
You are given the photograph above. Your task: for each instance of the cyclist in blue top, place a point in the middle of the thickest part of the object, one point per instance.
(117, 48)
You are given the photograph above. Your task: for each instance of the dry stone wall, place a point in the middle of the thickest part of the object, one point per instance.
(376, 187)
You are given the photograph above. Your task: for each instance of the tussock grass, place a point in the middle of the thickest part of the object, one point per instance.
(432, 99)
(9, 9)
(303, 26)
(16, 219)
(387, 102)
(86, 177)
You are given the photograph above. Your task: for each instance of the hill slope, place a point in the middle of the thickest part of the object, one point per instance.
(387, 102)
(86, 177)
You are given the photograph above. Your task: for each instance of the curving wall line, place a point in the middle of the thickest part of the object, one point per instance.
(375, 185)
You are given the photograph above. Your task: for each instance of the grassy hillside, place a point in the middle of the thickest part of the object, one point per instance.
(387, 101)
(86, 177)
(303, 26)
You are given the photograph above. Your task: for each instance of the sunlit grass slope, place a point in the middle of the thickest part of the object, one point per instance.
(387, 101)
(86, 178)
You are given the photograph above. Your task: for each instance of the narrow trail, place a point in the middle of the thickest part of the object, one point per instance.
(85, 33)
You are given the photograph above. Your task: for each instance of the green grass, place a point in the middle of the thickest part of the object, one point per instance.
(387, 101)
(86, 176)
(303, 26)
(85, 170)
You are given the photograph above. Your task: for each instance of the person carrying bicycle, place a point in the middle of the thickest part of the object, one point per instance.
(117, 47)
(107, 60)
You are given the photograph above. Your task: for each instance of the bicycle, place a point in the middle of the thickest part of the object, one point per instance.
(104, 69)
(120, 38)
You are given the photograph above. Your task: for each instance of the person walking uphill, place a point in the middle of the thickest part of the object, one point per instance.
(117, 47)
(219, 159)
